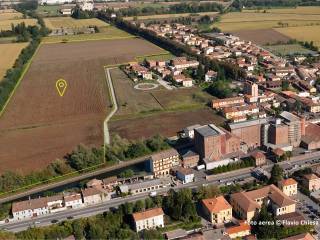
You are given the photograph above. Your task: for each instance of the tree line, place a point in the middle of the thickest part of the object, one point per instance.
(14, 74)
(194, 7)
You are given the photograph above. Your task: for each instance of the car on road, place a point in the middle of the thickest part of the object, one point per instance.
(54, 221)
(70, 217)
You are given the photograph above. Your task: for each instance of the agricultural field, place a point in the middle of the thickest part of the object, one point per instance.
(160, 57)
(288, 49)
(9, 54)
(274, 18)
(49, 10)
(106, 33)
(10, 14)
(6, 24)
(45, 126)
(304, 33)
(68, 22)
(166, 123)
(167, 16)
(168, 111)
(262, 36)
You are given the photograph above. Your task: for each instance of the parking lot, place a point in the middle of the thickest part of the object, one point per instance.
(309, 209)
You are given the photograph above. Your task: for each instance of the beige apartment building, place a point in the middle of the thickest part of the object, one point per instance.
(217, 210)
(161, 163)
(288, 186)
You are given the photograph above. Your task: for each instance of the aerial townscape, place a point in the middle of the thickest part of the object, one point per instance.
(167, 119)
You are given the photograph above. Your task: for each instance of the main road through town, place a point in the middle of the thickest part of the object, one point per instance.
(233, 176)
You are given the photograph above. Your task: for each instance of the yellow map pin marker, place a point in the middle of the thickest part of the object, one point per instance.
(61, 86)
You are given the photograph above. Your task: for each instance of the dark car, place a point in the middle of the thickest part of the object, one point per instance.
(70, 217)
(54, 221)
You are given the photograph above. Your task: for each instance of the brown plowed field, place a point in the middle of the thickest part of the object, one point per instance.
(38, 125)
(167, 124)
(262, 36)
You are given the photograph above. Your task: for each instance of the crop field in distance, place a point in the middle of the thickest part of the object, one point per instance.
(288, 49)
(303, 33)
(9, 54)
(68, 22)
(6, 24)
(106, 33)
(9, 14)
(163, 16)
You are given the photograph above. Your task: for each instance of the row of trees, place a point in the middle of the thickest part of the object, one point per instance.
(240, 4)
(249, 162)
(121, 149)
(194, 7)
(13, 75)
(80, 14)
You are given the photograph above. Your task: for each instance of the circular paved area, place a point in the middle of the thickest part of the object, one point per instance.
(146, 86)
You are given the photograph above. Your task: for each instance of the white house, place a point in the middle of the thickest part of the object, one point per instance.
(73, 200)
(149, 219)
(55, 203)
(189, 131)
(185, 175)
(30, 208)
(54, 2)
(210, 76)
(91, 196)
(187, 82)
(86, 6)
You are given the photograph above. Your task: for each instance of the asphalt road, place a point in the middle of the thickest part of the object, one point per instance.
(219, 179)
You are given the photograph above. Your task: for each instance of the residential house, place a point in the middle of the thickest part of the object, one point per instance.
(73, 200)
(210, 76)
(30, 208)
(288, 186)
(217, 210)
(226, 102)
(148, 219)
(187, 82)
(240, 231)
(311, 182)
(91, 196)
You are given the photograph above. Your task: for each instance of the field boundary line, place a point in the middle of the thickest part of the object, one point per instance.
(25, 69)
